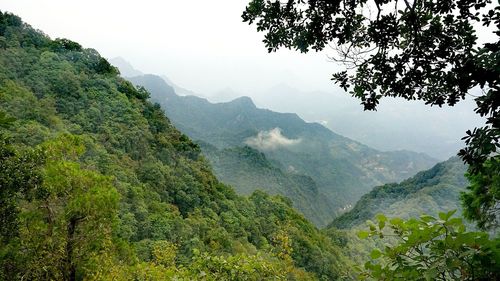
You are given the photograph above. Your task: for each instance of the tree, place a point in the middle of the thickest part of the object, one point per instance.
(431, 249)
(482, 200)
(19, 174)
(65, 221)
(417, 50)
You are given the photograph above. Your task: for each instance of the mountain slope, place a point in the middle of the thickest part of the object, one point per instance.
(430, 191)
(118, 193)
(342, 168)
(229, 165)
(247, 170)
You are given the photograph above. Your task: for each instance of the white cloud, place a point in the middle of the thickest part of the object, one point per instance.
(270, 140)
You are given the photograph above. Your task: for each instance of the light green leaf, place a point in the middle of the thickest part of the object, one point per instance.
(375, 254)
(363, 234)
(396, 221)
(381, 217)
(427, 218)
(446, 216)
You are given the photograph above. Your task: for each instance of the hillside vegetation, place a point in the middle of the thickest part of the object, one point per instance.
(431, 191)
(97, 184)
(247, 169)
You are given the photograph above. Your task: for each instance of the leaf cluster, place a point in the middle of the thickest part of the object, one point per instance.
(430, 248)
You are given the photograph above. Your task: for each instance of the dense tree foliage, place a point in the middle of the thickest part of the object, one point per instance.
(431, 248)
(418, 50)
(19, 175)
(482, 200)
(97, 184)
(67, 219)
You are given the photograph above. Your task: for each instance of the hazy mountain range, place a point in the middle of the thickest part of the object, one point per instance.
(410, 125)
(338, 169)
(395, 125)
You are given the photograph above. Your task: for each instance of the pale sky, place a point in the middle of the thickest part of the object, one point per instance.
(199, 44)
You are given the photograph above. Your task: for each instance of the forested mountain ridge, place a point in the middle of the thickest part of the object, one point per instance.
(100, 185)
(342, 169)
(431, 191)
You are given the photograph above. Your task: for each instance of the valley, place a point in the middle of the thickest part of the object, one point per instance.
(339, 169)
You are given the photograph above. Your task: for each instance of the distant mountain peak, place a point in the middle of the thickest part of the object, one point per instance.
(126, 69)
(244, 101)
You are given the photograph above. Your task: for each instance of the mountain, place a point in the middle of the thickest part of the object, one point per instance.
(240, 169)
(341, 168)
(98, 184)
(431, 191)
(126, 69)
(412, 125)
(224, 95)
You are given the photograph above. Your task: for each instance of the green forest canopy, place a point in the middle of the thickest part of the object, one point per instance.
(97, 184)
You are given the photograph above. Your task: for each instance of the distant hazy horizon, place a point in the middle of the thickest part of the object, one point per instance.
(397, 125)
(204, 46)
